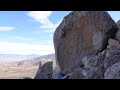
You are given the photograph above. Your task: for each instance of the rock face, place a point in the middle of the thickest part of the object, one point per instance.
(87, 33)
(45, 71)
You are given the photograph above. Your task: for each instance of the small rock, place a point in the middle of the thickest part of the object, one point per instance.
(113, 44)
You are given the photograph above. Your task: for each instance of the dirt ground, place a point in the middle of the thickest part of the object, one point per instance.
(14, 71)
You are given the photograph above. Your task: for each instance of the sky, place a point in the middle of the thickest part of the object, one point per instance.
(31, 32)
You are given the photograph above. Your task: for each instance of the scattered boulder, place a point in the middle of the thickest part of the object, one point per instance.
(45, 71)
(87, 33)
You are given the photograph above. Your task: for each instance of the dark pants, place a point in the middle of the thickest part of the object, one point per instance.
(63, 35)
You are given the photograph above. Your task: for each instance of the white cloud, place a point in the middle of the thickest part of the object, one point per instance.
(43, 18)
(22, 38)
(6, 28)
(25, 49)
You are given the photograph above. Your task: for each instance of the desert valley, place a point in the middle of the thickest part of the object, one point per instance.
(21, 69)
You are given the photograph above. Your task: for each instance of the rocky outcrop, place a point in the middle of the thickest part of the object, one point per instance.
(105, 65)
(92, 68)
(45, 71)
(87, 33)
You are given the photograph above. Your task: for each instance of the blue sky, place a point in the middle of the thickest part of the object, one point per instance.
(31, 32)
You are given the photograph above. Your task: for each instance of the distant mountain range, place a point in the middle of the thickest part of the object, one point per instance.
(6, 58)
(50, 56)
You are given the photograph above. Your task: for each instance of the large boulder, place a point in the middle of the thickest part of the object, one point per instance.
(87, 33)
(45, 71)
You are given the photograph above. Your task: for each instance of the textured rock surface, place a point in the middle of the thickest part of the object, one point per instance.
(112, 43)
(105, 65)
(117, 36)
(93, 66)
(92, 61)
(87, 33)
(112, 57)
(93, 72)
(77, 74)
(45, 71)
(113, 72)
(56, 72)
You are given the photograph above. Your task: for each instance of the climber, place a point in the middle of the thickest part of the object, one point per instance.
(63, 29)
(63, 33)
(62, 36)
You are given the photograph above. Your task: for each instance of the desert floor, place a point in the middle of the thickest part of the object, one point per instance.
(15, 71)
